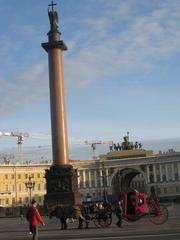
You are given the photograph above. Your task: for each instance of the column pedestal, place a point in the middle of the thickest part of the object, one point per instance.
(62, 186)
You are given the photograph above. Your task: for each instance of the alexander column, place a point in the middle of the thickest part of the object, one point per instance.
(61, 178)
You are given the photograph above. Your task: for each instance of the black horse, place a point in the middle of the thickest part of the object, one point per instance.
(63, 212)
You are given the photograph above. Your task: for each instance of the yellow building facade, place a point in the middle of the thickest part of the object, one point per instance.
(160, 171)
(13, 183)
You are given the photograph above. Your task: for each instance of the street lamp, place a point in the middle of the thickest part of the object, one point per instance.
(30, 185)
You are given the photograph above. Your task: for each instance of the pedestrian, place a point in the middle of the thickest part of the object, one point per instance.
(83, 217)
(118, 212)
(33, 217)
(63, 221)
(21, 213)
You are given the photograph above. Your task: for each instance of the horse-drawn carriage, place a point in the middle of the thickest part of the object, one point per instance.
(135, 206)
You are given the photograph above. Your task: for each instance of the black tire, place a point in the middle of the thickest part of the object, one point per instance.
(96, 221)
(102, 222)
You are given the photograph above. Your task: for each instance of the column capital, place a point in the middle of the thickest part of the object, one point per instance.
(54, 45)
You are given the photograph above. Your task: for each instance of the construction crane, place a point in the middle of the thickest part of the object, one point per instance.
(94, 143)
(20, 136)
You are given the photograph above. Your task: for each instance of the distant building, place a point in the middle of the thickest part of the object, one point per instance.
(108, 176)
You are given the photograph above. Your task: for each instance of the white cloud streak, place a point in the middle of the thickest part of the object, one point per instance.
(24, 89)
(122, 40)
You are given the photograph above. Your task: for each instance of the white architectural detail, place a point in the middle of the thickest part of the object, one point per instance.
(160, 172)
(107, 177)
(84, 178)
(90, 181)
(101, 178)
(78, 178)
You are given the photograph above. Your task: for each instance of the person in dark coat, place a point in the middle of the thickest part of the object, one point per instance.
(118, 212)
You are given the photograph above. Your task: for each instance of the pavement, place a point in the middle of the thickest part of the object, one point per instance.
(17, 229)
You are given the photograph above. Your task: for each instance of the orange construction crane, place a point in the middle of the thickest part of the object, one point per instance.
(94, 143)
(20, 136)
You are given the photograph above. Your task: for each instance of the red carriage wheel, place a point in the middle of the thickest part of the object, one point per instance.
(158, 213)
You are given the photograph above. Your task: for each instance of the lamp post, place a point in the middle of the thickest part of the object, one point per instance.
(30, 185)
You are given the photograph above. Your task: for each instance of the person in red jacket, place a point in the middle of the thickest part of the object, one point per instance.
(33, 217)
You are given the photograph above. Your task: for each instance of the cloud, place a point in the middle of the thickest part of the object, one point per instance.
(23, 89)
(130, 36)
(122, 37)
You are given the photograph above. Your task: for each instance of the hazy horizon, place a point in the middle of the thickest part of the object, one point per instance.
(84, 152)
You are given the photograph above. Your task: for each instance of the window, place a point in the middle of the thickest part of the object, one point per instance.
(19, 187)
(7, 201)
(176, 176)
(165, 190)
(6, 176)
(6, 187)
(26, 176)
(13, 201)
(39, 186)
(169, 172)
(151, 178)
(19, 176)
(151, 168)
(92, 179)
(158, 178)
(164, 178)
(12, 176)
(39, 175)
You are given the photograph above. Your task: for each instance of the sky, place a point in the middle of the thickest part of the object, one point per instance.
(121, 70)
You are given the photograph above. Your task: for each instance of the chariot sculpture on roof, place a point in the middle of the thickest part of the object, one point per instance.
(126, 145)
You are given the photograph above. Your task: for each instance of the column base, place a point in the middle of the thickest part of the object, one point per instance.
(62, 187)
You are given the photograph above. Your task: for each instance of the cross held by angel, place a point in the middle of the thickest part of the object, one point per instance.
(53, 17)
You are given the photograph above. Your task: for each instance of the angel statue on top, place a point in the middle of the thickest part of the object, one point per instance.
(53, 17)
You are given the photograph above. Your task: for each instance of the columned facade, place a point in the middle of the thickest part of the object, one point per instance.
(161, 171)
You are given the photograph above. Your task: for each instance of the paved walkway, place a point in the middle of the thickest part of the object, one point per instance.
(17, 229)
